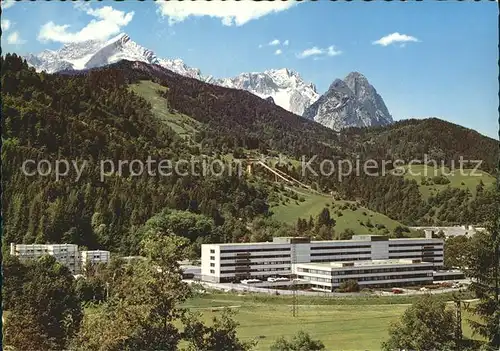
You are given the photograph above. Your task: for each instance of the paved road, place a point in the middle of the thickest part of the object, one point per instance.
(248, 288)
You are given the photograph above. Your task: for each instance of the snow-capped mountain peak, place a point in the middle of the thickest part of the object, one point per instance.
(349, 102)
(97, 53)
(284, 86)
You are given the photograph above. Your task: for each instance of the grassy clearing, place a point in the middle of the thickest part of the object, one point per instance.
(462, 179)
(345, 216)
(292, 210)
(342, 324)
(183, 125)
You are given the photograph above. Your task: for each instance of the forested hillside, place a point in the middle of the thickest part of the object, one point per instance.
(94, 116)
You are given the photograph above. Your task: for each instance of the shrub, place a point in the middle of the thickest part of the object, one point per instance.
(349, 286)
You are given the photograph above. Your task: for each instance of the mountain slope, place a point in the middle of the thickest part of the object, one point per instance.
(352, 102)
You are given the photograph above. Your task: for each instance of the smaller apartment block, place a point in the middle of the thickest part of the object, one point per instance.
(93, 256)
(375, 274)
(234, 262)
(66, 254)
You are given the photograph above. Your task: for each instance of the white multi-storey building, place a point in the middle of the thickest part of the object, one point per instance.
(376, 273)
(232, 262)
(93, 257)
(66, 254)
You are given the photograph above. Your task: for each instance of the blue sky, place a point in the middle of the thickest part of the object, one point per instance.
(443, 61)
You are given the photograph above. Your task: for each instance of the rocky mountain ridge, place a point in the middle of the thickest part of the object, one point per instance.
(351, 102)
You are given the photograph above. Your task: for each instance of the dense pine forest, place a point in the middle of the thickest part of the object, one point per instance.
(93, 116)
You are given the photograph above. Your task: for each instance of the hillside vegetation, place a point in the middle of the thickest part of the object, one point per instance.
(132, 111)
(183, 125)
(347, 214)
(432, 179)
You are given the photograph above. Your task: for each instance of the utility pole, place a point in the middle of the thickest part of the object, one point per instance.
(458, 329)
(458, 313)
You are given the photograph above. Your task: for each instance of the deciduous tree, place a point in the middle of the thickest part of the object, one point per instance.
(426, 325)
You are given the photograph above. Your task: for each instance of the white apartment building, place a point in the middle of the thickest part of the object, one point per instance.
(233, 262)
(376, 273)
(93, 257)
(66, 254)
(463, 230)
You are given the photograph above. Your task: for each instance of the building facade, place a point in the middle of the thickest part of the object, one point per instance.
(233, 262)
(463, 230)
(376, 273)
(93, 257)
(66, 254)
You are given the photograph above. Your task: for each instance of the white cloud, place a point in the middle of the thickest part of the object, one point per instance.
(5, 4)
(332, 51)
(108, 22)
(395, 38)
(14, 39)
(310, 52)
(274, 42)
(5, 24)
(278, 52)
(316, 52)
(230, 12)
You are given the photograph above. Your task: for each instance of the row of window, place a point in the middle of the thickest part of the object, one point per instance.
(415, 256)
(253, 257)
(415, 250)
(363, 271)
(339, 259)
(247, 250)
(341, 253)
(63, 257)
(254, 263)
(254, 270)
(414, 244)
(340, 247)
(365, 279)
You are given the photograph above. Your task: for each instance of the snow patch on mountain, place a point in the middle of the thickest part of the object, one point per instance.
(97, 53)
(285, 86)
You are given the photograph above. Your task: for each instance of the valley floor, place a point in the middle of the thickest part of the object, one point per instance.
(342, 324)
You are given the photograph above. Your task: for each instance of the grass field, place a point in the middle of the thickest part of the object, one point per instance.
(313, 204)
(462, 179)
(350, 324)
(183, 125)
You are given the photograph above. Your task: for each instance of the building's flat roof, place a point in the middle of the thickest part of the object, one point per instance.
(426, 239)
(249, 244)
(364, 263)
(323, 241)
(47, 245)
(94, 251)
